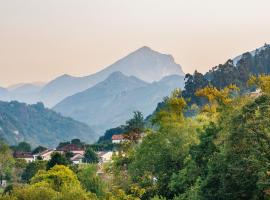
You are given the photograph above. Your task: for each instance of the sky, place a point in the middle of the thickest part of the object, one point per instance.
(42, 39)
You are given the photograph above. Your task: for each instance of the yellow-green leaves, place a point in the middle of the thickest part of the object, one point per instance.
(262, 82)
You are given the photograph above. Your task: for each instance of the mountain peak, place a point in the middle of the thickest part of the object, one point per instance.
(145, 48)
(116, 75)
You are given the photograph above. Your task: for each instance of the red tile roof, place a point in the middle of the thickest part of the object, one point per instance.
(117, 137)
(18, 154)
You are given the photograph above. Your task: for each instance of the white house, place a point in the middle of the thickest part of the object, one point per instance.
(45, 155)
(77, 158)
(116, 139)
(105, 157)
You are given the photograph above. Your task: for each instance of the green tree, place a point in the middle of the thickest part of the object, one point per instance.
(23, 146)
(31, 169)
(6, 161)
(90, 181)
(39, 149)
(193, 83)
(58, 183)
(77, 142)
(135, 126)
(238, 170)
(90, 156)
(57, 159)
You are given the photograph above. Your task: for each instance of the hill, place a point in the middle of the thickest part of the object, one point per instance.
(112, 102)
(236, 71)
(39, 125)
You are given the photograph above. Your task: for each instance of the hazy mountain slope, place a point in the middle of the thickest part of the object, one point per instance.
(144, 63)
(21, 85)
(39, 126)
(26, 89)
(90, 102)
(3, 91)
(111, 102)
(22, 93)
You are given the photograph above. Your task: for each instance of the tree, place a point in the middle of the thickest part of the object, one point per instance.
(90, 181)
(39, 149)
(31, 169)
(6, 161)
(172, 112)
(58, 183)
(23, 147)
(159, 156)
(135, 126)
(262, 82)
(239, 170)
(192, 84)
(57, 159)
(77, 142)
(90, 156)
(58, 177)
(216, 97)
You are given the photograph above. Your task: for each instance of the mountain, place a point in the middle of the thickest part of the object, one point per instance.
(21, 85)
(25, 88)
(25, 92)
(39, 125)
(144, 63)
(111, 102)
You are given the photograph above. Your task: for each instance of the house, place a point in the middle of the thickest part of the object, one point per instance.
(105, 157)
(27, 156)
(71, 148)
(116, 139)
(77, 158)
(45, 155)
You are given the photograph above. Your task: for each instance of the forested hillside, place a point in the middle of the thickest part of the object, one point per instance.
(39, 125)
(238, 73)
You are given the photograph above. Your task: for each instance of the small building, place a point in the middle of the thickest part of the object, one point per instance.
(116, 139)
(44, 155)
(71, 148)
(27, 156)
(77, 158)
(105, 157)
(3, 183)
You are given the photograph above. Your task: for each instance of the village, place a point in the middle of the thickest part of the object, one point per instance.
(77, 152)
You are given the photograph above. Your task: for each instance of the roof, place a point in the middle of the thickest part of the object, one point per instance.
(70, 147)
(77, 157)
(18, 154)
(46, 152)
(118, 137)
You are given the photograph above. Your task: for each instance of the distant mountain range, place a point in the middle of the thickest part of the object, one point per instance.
(107, 98)
(111, 102)
(144, 63)
(39, 126)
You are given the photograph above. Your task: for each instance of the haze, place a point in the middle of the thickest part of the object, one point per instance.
(40, 40)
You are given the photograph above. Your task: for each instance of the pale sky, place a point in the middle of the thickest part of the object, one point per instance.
(42, 39)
